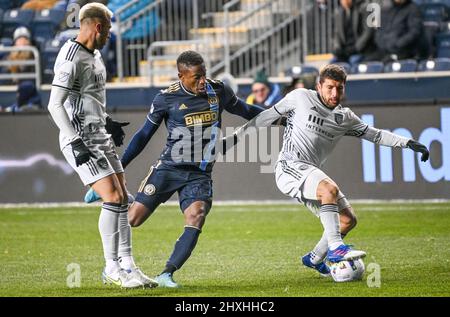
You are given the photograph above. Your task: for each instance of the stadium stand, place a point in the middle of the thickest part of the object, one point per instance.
(46, 23)
(438, 64)
(14, 18)
(403, 66)
(368, 68)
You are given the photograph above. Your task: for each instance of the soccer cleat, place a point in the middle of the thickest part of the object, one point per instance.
(121, 278)
(344, 252)
(137, 274)
(166, 280)
(321, 267)
(91, 196)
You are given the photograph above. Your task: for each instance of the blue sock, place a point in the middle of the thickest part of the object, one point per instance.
(183, 249)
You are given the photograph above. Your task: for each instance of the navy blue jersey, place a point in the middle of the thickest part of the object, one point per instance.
(189, 119)
(192, 121)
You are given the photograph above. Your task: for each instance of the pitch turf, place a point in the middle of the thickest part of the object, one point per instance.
(243, 251)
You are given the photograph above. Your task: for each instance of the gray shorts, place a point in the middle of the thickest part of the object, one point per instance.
(106, 163)
(300, 181)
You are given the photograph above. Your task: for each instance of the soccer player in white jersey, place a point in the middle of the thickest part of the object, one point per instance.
(77, 105)
(316, 121)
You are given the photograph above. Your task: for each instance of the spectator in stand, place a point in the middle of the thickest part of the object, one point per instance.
(353, 38)
(21, 37)
(264, 93)
(400, 32)
(38, 5)
(27, 96)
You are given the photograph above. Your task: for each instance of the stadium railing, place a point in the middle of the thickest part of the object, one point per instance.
(36, 74)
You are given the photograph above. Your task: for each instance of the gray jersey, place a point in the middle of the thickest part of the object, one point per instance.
(83, 73)
(313, 129)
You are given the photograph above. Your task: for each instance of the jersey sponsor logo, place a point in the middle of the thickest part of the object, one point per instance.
(182, 107)
(200, 118)
(338, 118)
(316, 120)
(149, 189)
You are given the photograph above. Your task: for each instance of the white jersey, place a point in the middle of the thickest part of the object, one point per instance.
(82, 72)
(313, 129)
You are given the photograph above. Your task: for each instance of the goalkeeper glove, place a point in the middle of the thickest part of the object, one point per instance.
(115, 129)
(419, 147)
(81, 152)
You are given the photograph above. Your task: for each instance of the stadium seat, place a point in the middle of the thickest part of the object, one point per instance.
(5, 41)
(443, 45)
(446, 2)
(437, 12)
(301, 70)
(346, 66)
(15, 18)
(438, 64)
(46, 22)
(1, 21)
(6, 4)
(61, 5)
(402, 66)
(368, 68)
(49, 54)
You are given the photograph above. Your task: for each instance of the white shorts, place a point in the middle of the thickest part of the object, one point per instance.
(300, 181)
(106, 163)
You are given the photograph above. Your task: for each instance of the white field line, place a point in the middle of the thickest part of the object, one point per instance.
(289, 204)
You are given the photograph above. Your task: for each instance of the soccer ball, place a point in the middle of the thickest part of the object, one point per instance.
(346, 271)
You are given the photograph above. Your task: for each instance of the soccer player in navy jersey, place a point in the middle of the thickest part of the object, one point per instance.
(191, 109)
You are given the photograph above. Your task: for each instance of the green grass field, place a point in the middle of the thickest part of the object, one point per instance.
(243, 251)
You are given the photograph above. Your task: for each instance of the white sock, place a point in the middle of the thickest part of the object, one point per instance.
(320, 250)
(108, 225)
(329, 217)
(112, 266)
(126, 260)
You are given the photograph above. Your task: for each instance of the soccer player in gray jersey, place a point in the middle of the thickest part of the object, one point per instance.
(77, 105)
(316, 121)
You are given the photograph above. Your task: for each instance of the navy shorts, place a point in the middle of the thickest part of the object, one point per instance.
(163, 181)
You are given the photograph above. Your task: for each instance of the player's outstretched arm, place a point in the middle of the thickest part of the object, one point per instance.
(139, 141)
(383, 137)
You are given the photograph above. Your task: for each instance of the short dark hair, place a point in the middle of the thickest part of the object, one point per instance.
(334, 72)
(189, 58)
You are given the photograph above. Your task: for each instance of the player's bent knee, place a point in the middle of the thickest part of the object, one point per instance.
(116, 197)
(196, 218)
(348, 221)
(137, 215)
(328, 192)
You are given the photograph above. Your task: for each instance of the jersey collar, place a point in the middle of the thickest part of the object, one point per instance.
(89, 50)
(185, 90)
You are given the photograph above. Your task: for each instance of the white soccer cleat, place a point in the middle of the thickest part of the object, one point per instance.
(344, 252)
(121, 278)
(137, 274)
(354, 255)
